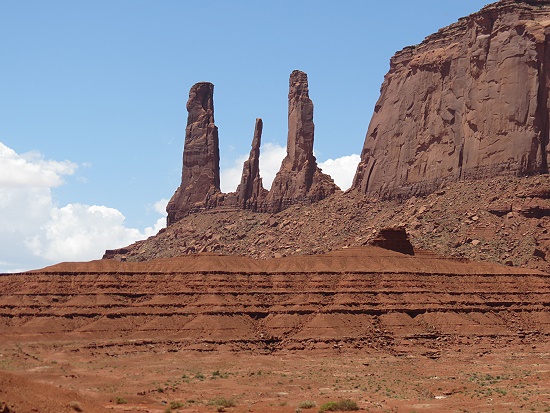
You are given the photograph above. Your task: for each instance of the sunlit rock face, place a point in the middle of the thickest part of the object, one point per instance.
(299, 180)
(471, 101)
(200, 177)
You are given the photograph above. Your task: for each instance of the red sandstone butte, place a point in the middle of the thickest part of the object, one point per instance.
(470, 102)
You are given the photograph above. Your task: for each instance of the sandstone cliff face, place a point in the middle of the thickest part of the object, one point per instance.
(471, 101)
(250, 192)
(200, 178)
(299, 180)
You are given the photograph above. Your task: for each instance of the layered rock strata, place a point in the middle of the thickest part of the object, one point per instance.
(299, 180)
(200, 178)
(250, 192)
(363, 299)
(469, 102)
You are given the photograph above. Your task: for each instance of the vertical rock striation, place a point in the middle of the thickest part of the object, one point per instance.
(469, 102)
(200, 178)
(250, 192)
(299, 180)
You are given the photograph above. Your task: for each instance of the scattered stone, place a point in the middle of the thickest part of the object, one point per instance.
(5, 409)
(272, 222)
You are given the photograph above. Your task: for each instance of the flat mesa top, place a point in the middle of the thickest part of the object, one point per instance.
(360, 259)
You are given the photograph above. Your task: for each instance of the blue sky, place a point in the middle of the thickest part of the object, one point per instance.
(93, 93)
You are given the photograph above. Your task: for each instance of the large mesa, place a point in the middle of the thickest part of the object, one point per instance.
(470, 102)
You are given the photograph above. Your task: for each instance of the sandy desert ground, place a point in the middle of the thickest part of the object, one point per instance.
(207, 333)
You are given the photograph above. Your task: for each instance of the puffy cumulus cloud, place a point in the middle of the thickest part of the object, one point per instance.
(34, 232)
(31, 170)
(271, 156)
(342, 170)
(230, 177)
(83, 232)
(160, 206)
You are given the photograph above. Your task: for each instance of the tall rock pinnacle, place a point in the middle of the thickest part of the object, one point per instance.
(470, 102)
(299, 180)
(200, 178)
(250, 192)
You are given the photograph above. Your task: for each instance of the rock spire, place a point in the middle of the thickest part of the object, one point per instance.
(250, 192)
(299, 180)
(200, 178)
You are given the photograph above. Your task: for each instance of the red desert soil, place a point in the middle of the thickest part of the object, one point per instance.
(395, 333)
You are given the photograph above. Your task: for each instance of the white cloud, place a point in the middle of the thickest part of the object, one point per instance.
(230, 177)
(271, 156)
(34, 232)
(342, 170)
(81, 232)
(31, 170)
(160, 206)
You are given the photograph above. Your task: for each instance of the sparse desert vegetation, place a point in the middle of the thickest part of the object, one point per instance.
(346, 405)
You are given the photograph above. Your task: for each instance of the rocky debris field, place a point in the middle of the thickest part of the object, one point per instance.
(504, 220)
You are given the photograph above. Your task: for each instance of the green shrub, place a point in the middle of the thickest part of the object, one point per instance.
(339, 406)
(175, 405)
(222, 402)
(120, 400)
(308, 404)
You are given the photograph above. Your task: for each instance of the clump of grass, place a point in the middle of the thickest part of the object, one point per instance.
(219, 375)
(339, 406)
(222, 402)
(120, 400)
(75, 406)
(175, 404)
(308, 404)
